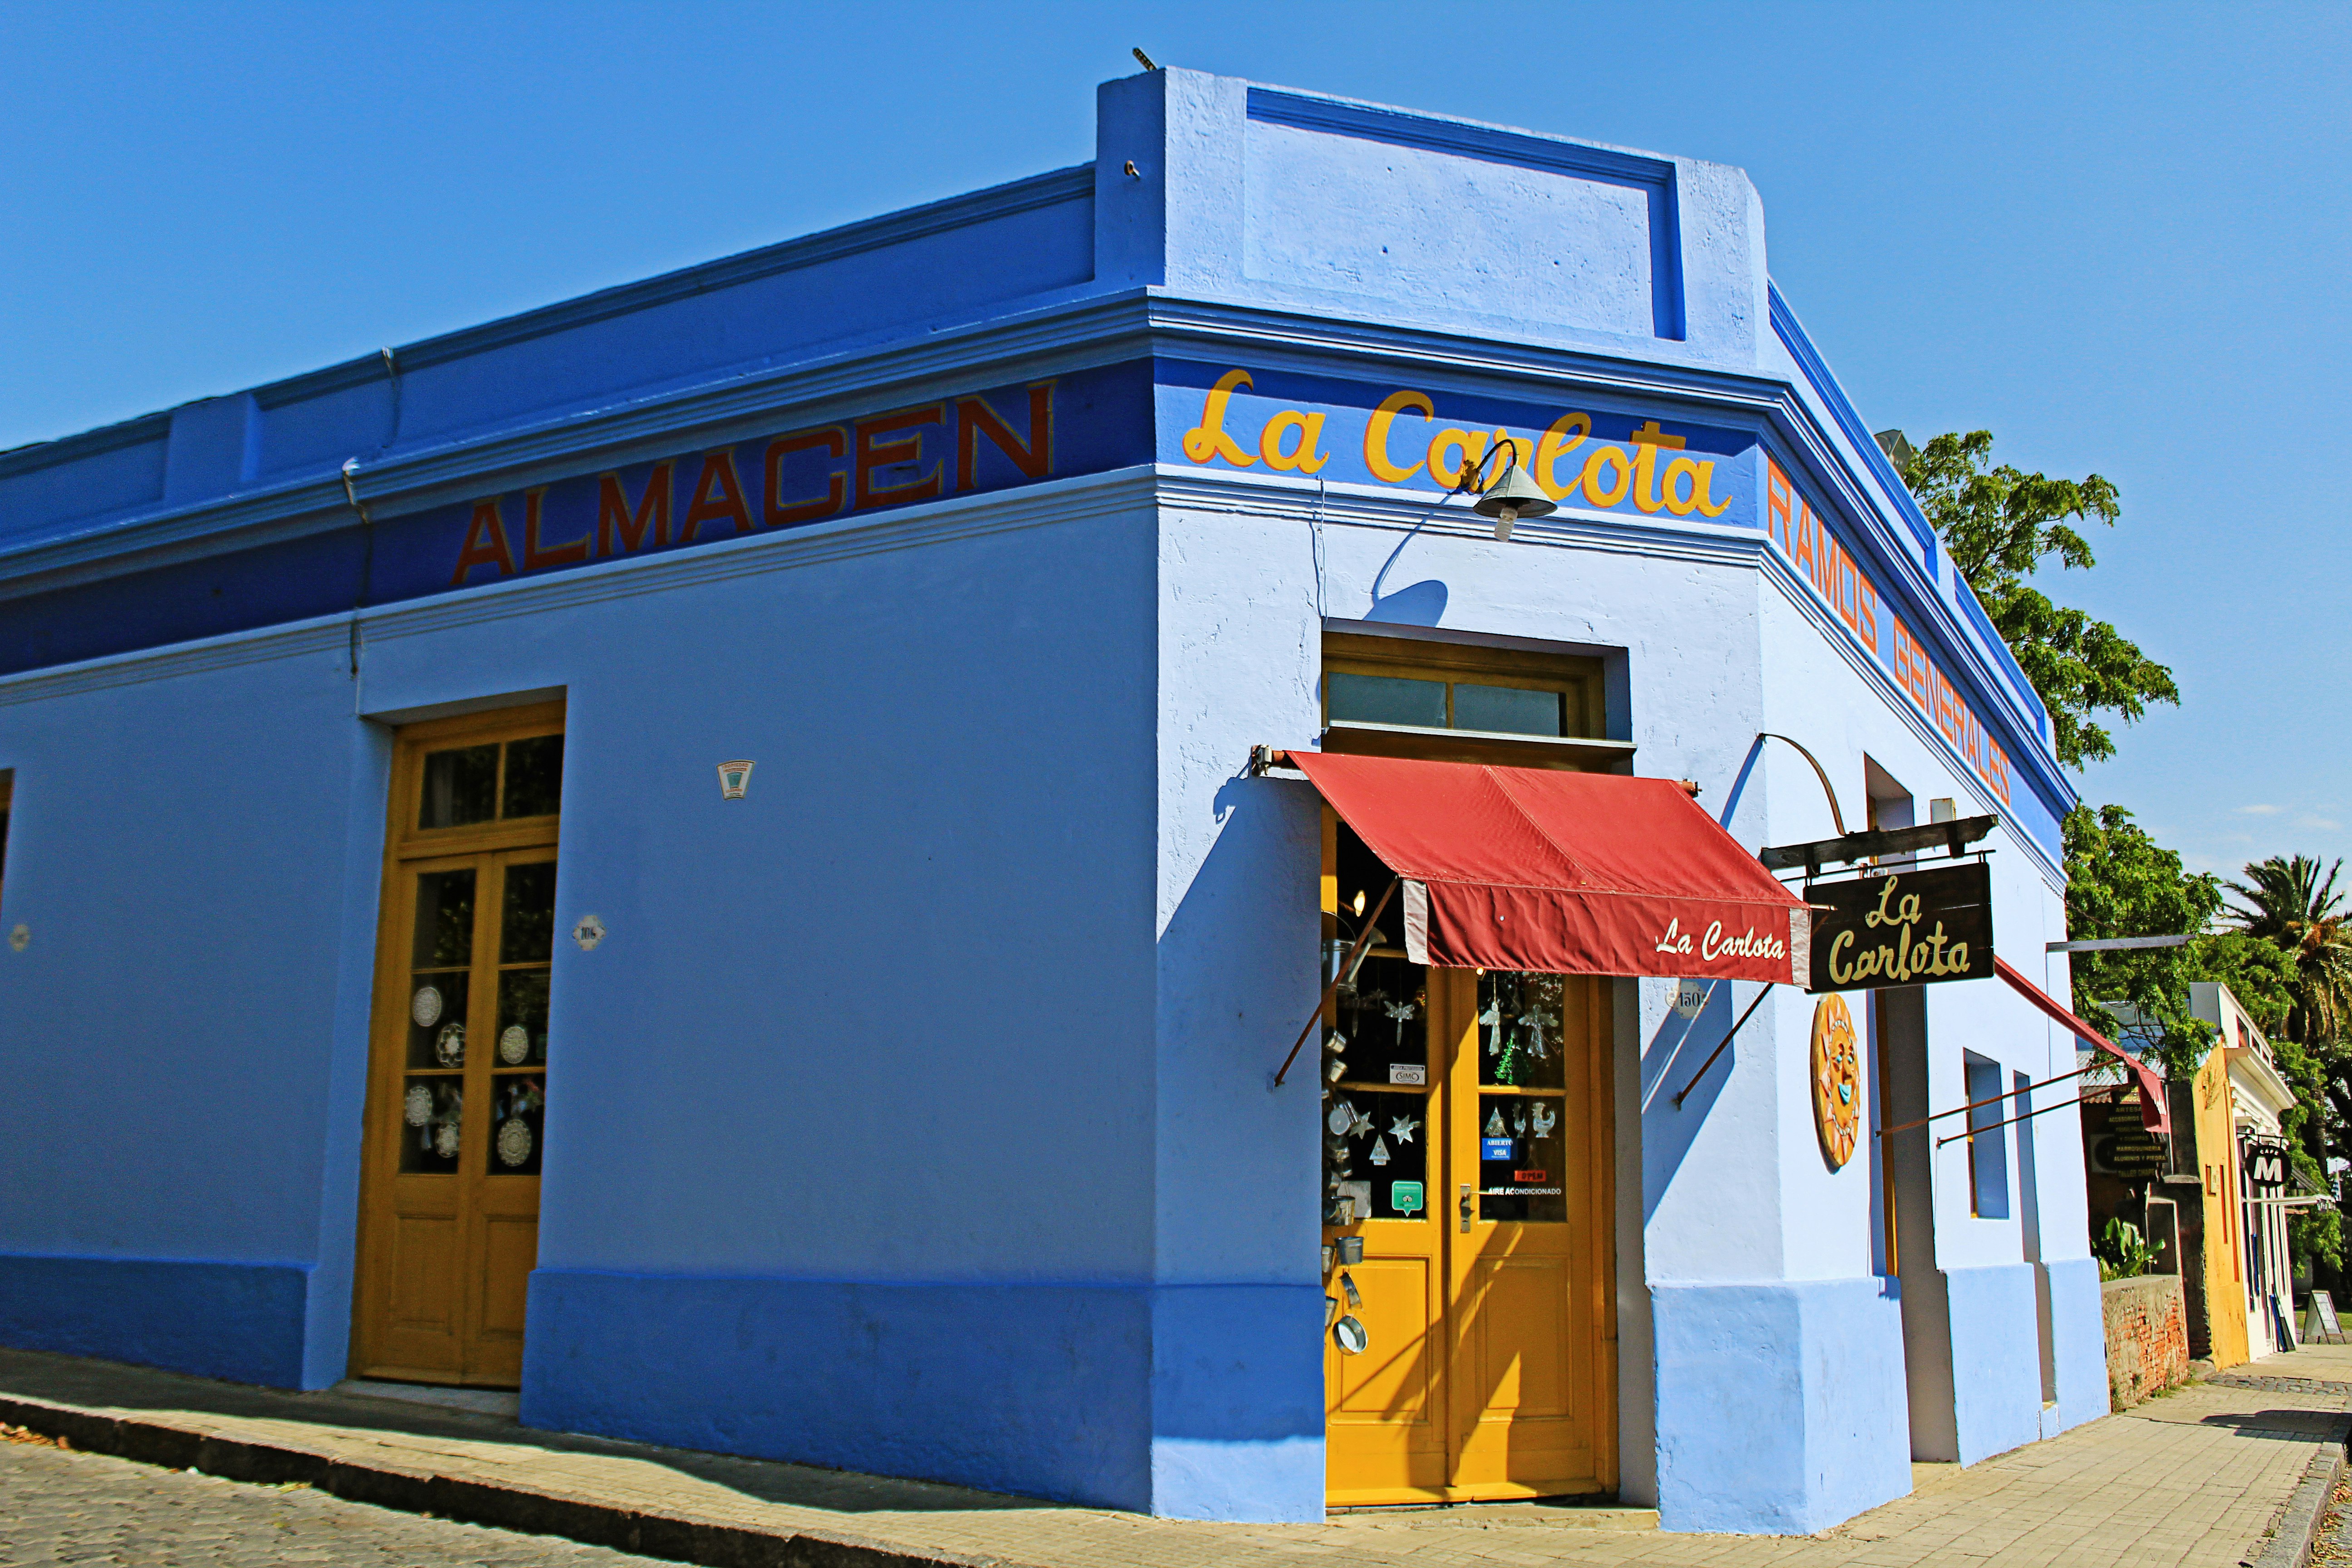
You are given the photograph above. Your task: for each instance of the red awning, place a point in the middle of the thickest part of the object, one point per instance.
(2154, 1112)
(1565, 873)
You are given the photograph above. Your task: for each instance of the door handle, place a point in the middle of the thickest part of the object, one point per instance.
(1466, 1201)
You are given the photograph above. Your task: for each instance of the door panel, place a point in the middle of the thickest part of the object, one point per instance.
(458, 1087)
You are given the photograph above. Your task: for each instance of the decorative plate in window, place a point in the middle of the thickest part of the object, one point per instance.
(514, 1044)
(417, 1106)
(514, 1141)
(449, 1045)
(425, 1007)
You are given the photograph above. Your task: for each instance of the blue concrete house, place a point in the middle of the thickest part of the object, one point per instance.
(704, 853)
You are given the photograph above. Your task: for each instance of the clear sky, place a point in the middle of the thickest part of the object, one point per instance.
(2117, 237)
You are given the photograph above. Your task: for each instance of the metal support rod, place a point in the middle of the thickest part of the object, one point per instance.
(1347, 972)
(1837, 817)
(1719, 1050)
(1993, 1126)
(2119, 943)
(1996, 1099)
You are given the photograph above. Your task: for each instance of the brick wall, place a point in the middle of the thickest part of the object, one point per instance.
(2148, 1336)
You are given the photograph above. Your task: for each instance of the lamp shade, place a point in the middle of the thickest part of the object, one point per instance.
(1514, 495)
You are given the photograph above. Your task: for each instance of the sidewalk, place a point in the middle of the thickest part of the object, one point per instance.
(2198, 1476)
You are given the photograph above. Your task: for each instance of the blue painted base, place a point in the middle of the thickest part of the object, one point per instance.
(1202, 1402)
(2078, 1331)
(1996, 1359)
(1754, 1440)
(243, 1321)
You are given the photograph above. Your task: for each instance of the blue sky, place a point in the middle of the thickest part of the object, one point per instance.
(2114, 235)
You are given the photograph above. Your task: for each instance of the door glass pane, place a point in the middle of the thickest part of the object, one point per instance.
(441, 947)
(1522, 1158)
(1520, 1036)
(433, 1114)
(460, 786)
(1375, 1155)
(1383, 1034)
(534, 776)
(522, 1017)
(1510, 710)
(516, 1140)
(444, 921)
(527, 924)
(1385, 700)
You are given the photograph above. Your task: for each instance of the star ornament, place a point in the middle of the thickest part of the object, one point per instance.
(1403, 1128)
(1362, 1125)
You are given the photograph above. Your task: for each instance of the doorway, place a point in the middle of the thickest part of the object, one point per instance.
(458, 1073)
(1467, 1149)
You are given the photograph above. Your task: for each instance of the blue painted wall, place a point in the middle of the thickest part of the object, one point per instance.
(914, 1115)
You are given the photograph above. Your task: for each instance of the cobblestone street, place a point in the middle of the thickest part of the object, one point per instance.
(57, 1506)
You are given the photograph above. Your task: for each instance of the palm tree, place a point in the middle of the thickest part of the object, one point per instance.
(2288, 902)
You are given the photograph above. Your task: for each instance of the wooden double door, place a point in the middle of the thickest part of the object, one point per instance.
(1466, 1146)
(456, 1130)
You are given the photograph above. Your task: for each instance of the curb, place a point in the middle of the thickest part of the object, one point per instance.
(667, 1536)
(2297, 1531)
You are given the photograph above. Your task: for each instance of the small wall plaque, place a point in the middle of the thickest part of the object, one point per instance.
(734, 780)
(588, 932)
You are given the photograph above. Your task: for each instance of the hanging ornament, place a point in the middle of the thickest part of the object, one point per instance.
(1491, 1021)
(444, 1140)
(1335, 1069)
(514, 1141)
(1380, 1151)
(1534, 1038)
(425, 1007)
(1519, 1119)
(1342, 1113)
(1359, 1124)
(1337, 1045)
(1403, 1128)
(1397, 1013)
(1495, 1124)
(514, 1044)
(416, 1108)
(449, 1045)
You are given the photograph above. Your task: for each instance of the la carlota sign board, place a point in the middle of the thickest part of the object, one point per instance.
(1901, 927)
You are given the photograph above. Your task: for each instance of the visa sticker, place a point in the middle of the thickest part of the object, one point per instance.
(1493, 1148)
(1405, 1197)
(1417, 1076)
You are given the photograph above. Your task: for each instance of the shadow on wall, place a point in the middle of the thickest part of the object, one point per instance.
(1421, 604)
(1670, 1061)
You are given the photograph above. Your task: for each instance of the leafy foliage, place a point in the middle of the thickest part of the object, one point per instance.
(2121, 1252)
(2122, 882)
(2001, 525)
(2286, 901)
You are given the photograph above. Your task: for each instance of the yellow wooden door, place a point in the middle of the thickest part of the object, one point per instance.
(1467, 1152)
(457, 1090)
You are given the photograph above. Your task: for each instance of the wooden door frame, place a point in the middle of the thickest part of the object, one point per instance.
(407, 846)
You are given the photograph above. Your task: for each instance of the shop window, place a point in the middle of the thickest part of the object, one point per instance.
(1988, 1140)
(1423, 685)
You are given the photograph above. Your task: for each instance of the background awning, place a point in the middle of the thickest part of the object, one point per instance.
(1565, 873)
(2154, 1111)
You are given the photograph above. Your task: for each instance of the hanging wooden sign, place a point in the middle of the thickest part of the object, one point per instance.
(1901, 927)
(1837, 1081)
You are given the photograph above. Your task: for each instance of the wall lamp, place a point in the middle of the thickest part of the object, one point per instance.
(1510, 495)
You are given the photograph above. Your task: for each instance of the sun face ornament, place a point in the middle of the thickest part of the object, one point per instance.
(1837, 1081)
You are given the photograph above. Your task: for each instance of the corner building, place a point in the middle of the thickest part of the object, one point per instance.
(407, 979)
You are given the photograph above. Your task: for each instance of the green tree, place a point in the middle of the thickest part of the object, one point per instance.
(2287, 902)
(2001, 525)
(2121, 883)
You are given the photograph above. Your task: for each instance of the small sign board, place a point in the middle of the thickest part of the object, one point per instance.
(1901, 927)
(1416, 1075)
(2265, 1165)
(1405, 1197)
(2322, 1319)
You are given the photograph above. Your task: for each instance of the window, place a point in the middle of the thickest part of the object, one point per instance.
(1420, 685)
(1988, 1140)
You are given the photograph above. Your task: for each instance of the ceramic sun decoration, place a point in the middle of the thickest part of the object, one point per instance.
(1837, 1081)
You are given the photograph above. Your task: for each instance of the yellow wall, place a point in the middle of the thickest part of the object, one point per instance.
(2217, 1158)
